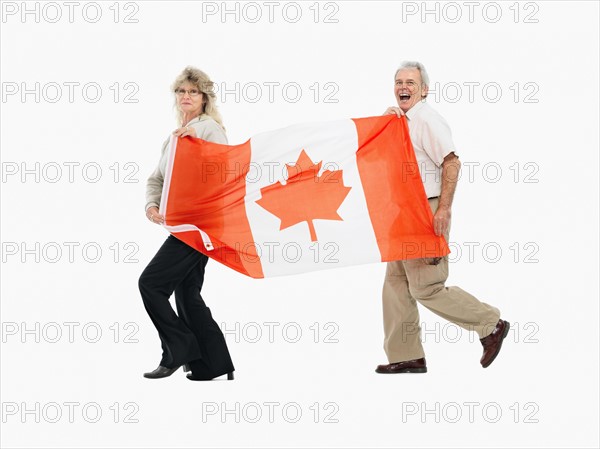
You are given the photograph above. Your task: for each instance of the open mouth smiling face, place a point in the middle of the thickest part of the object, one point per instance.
(407, 88)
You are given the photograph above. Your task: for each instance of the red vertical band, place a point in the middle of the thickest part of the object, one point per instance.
(207, 190)
(396, 199)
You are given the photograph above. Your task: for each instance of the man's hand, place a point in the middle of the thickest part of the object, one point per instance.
(441, 221)
(394, 110)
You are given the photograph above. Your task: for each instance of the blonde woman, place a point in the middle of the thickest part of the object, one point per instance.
(191, 337)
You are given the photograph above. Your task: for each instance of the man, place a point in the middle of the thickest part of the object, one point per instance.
(422, 280)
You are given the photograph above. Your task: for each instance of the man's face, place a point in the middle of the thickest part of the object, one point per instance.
(408, 89)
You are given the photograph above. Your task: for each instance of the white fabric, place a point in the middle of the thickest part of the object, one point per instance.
(334, 144)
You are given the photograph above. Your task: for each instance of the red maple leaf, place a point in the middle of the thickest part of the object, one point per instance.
(306, 196)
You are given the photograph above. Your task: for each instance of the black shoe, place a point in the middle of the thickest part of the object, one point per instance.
(160, 372)
(191, 376)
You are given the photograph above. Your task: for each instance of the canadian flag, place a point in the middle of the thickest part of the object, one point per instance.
(307, 197)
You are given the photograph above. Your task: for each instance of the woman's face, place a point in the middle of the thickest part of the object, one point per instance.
(190, 100)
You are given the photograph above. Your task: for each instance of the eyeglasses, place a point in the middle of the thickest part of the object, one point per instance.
(191, 92)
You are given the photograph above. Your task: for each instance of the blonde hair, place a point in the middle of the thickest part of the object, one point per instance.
(200, 80)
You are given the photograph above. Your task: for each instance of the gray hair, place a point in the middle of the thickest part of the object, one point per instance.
(415, 65)
(200, 80)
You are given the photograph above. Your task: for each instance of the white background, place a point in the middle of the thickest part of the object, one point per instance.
(548, 368)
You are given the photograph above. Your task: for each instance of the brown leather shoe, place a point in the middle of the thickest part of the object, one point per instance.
(409, 366)
(493, 342)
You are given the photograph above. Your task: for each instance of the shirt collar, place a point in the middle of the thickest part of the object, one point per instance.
(412, 112)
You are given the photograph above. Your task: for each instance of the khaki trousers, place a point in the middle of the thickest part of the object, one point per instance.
(423, 280)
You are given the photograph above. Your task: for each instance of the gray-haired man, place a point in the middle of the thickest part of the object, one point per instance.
(423, 280)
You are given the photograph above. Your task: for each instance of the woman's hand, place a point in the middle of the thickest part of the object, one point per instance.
(154, 216)
(185, 131)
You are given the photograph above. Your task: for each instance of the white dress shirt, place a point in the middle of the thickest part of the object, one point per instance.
(432, 141)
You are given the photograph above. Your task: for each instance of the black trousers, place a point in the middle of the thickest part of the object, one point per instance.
(192, 336)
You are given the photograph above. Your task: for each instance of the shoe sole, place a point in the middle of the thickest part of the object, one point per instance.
(504, 334)
(404, 371)
(199, 379)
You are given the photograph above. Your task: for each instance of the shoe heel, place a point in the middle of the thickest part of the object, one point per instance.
(507, 328)
(230, 376)
(186, 368)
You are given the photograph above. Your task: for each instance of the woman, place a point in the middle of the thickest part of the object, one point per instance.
(192, 338)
